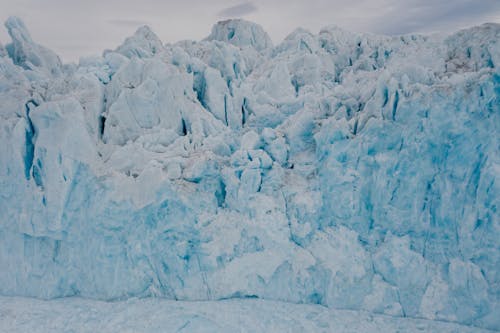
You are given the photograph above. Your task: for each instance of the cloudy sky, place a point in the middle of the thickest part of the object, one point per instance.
(86, 27)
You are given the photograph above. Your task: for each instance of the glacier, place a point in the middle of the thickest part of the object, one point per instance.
(350, 171)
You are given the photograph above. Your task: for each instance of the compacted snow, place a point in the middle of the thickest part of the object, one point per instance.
(349, 171)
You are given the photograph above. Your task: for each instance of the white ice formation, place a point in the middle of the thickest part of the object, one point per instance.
(354, 171)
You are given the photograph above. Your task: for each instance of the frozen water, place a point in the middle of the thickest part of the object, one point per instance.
(236, 315)
(27, 54)
(241, 33)
(348, 170)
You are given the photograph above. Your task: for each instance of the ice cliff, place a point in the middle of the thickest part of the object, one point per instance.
(355, 171)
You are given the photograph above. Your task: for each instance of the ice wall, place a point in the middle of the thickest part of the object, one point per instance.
(349, 170)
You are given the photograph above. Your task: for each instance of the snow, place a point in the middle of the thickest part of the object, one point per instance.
(339, 170)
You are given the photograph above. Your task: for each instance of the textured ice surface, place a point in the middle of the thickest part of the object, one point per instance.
(236, 315)
(353, 171)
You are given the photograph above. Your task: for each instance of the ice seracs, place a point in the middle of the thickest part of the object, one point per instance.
(349, 170)
(27, 54)
(241, 33)
(143, 44)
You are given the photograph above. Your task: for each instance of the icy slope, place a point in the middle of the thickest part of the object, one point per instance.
(354, 171)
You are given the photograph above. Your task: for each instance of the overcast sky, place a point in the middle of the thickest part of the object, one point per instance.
(87, 27)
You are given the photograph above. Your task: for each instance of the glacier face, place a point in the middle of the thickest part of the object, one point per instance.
(354, 171)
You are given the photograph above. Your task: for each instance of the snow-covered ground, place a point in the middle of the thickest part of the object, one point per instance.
(345, 170)
(74, 315)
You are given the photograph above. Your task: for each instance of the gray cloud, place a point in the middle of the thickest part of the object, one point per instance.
(431, 15)
(238, 10)
(127, 22)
